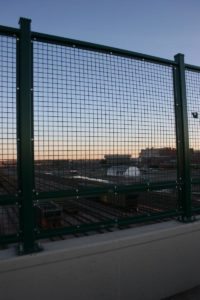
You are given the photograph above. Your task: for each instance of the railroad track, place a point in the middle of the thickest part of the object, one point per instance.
(89, 210)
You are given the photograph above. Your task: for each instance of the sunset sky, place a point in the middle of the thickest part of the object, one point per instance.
(87, 105)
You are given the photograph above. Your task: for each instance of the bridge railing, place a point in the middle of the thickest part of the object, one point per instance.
(92, 137)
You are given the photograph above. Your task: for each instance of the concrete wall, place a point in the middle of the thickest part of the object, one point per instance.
(149, 262)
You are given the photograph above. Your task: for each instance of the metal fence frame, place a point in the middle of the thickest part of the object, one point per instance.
(26, 198)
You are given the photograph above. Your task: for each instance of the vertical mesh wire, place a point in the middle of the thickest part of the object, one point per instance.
(8, 152)
(193, 108)
(101, 120)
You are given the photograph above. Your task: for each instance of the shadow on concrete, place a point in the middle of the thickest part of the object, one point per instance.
(193, 294)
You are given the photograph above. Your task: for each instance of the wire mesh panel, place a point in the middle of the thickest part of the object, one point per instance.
(8, 152)
(193, 107)
(9, 220)
(101, 119)
(105, 208)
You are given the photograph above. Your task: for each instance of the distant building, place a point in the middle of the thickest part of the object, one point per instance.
(124, 171)
(149, 152)
(158, 152)
(117, 159)
(158, 157)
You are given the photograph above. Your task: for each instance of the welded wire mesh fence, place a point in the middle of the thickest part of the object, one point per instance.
(96, 115)
(8, 145)
(105, 142)
(103, 120)
(9, 219)
(193, 106)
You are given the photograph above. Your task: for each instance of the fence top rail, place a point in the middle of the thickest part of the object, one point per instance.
(192, 68)
(10, 31)
(42, 37)
(100, 48)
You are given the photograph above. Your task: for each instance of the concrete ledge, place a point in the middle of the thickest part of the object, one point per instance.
(149, 262)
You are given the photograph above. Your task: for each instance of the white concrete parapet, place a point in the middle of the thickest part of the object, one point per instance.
(148, 262)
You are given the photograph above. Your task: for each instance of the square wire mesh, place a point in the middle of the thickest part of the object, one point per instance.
(9, 220)
(193, 109)
(195, 195)
(101, 119)
(8, 147)
(77, 211)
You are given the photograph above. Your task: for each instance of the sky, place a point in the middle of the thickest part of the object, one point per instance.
(108, 97)
(157, 27)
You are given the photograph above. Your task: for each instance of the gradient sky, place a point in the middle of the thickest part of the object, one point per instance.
(138, 119)
(157, 27)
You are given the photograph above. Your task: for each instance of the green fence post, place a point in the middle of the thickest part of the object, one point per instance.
(25, 138)
(182, 138)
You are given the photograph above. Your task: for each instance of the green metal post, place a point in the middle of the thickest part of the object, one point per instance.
(25, 138)
(182, 136)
